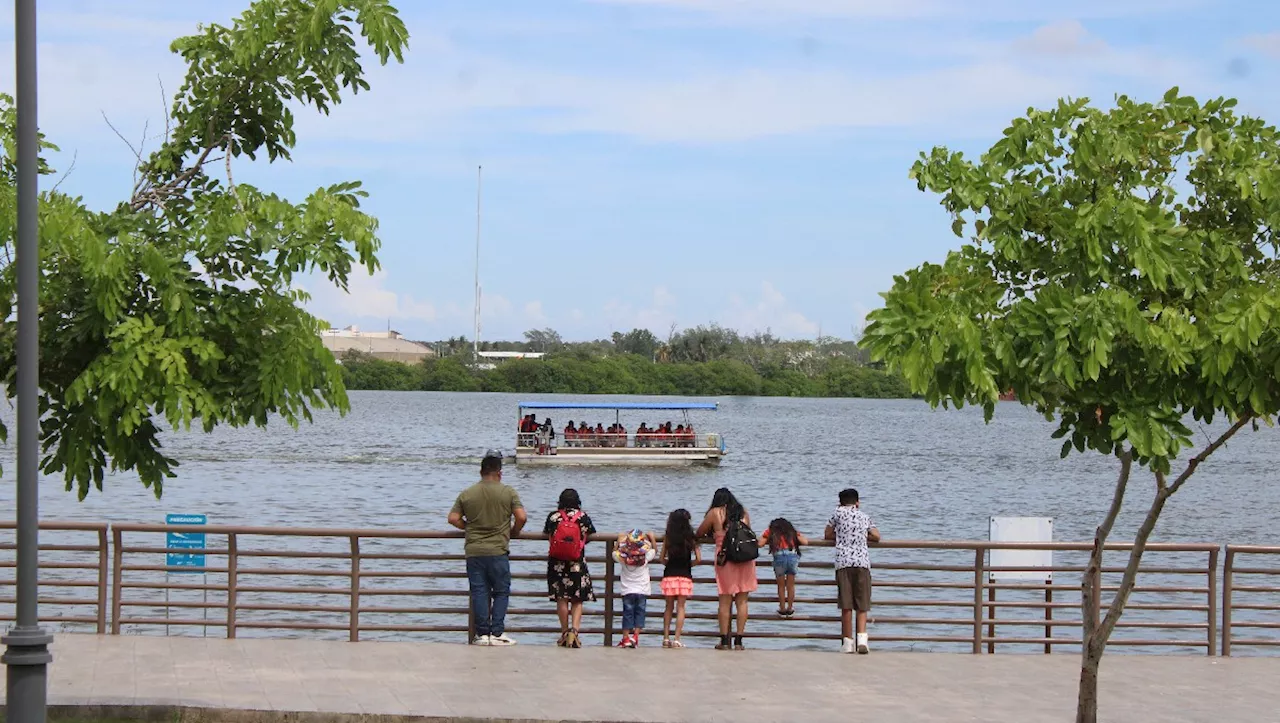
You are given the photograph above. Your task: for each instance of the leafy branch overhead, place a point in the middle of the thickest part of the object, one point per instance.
(1121, 274)
(179, 305)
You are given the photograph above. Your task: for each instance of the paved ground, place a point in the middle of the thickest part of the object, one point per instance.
(650, 684)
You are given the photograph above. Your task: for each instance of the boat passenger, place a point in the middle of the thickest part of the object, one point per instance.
(584, 435)
(570, 435)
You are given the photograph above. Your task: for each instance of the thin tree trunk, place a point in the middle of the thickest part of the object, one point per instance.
(1095, 641)
(1091, 652)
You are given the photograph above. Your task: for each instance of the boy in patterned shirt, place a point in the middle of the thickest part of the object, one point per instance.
(852, 529)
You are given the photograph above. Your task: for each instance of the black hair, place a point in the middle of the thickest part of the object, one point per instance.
(569, 500)
(781, 530)
(724, 498)
(490, 464)
(679, 537)
(849, 496)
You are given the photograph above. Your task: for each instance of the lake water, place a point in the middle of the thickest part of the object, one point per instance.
(398, 460)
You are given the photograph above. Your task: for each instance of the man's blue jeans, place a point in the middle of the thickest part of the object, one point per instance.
(490, 581)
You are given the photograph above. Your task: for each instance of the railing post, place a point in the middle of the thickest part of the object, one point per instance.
(1228, 567)
(991, 619)
(103, 564)
(233, 580)
(608, 593)
(978, 558)
(1048, 616)
(1213, 601)
(117, 581)
(354, 615)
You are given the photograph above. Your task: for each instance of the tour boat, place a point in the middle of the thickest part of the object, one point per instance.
(686, 444)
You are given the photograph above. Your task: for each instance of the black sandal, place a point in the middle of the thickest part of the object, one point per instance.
(737, 643)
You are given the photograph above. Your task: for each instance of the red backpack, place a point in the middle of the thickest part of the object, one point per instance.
(568, 542)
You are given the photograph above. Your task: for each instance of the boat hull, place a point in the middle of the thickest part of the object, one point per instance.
(619, 457)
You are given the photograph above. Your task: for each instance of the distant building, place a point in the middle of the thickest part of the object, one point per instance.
(388, 345)
(511, 355)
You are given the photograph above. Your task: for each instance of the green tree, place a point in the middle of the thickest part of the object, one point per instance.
(178, 306)
(1121, 277)
(640, 342)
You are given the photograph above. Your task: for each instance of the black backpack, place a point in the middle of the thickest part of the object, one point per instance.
(740, 543)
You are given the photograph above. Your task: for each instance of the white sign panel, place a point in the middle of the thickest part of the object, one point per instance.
(1022, 529)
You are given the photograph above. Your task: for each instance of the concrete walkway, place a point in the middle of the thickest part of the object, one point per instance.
(444, 681)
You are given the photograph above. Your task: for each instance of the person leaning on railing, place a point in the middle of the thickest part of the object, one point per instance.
(485, 512)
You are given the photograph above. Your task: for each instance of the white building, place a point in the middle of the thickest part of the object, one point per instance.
(389, 345)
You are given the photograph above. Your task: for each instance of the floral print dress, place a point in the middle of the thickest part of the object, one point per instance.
(569, 580)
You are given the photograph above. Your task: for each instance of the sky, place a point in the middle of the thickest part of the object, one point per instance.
(652, 163)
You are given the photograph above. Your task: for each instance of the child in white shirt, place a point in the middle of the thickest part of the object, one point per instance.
(635, 550)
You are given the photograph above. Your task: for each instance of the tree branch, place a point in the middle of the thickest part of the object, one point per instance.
(1093, 574)
(1204, 453)
(1163, 493)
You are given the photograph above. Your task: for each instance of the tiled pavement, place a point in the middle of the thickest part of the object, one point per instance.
(446, 681)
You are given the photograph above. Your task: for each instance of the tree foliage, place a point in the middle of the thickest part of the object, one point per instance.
(178, 306)
(1121, 275)
(567, 373)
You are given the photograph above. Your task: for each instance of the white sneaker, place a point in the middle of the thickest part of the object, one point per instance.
(862, 644)
(846, 645)
(501, 640)
(483, 640)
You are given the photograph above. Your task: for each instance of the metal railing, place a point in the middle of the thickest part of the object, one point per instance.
(1246, 597)
(80, 548)
(612, 440)
(374, 584)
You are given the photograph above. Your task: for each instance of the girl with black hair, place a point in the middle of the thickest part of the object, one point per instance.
(735, 581)
(784, 544)
(679, 554)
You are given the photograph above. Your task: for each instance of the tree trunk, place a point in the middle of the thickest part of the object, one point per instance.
(1087, 701)
(1096, 634)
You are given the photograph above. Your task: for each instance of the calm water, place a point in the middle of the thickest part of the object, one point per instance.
(398, 460)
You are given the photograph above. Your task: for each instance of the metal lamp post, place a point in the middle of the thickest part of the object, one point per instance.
(27, 646)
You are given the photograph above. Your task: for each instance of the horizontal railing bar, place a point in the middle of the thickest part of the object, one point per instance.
(293, 571)
(55, 583)
(57, 565)
(50, 547)
(1254, 588)
(173, 568)
(178, 622)
(51, 601)
(59, 525)
(282, 607)
(242, 589)
(1256, 570)
(1254, 606)
(1254, 549)
(1257, 641)
(55, 619)
(212, 604)
(1246, 624)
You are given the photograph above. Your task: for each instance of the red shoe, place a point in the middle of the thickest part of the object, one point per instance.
(626, 641)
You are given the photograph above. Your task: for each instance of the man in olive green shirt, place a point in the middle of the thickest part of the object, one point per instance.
(485, 511)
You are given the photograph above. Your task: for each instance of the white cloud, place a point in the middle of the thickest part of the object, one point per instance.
(657, 315)
(702, 103)
(368, 298)
(1265, 43)
(534, 314)
(769, 13)
(770, 311)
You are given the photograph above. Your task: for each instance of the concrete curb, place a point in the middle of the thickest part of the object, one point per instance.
(185, 714)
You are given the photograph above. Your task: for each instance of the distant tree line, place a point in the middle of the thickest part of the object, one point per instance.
(702, 361)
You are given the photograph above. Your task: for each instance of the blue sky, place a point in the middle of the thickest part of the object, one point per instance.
(655, 162)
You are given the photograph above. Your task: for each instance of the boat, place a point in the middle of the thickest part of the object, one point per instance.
(684, 445)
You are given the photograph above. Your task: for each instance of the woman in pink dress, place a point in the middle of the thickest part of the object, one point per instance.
(734, 580)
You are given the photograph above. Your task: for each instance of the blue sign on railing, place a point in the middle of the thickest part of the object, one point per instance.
(185, 541)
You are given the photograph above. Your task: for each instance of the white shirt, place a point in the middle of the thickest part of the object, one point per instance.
(635, 579)
(851, 525)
